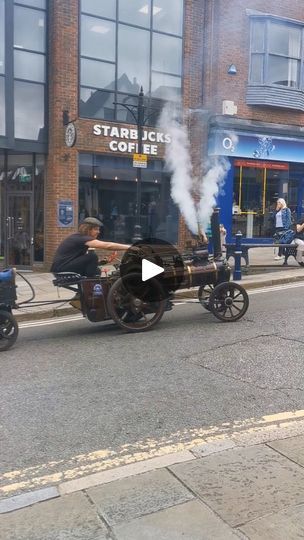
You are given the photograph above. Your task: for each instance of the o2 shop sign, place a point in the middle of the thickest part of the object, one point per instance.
(125, 140)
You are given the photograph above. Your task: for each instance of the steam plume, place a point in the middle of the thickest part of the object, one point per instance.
(185, 189)
(178, 162)
(209, 189)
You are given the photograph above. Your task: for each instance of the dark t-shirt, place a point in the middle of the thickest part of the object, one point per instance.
(71, 248)
(300, 234)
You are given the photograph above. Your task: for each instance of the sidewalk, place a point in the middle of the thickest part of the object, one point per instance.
(45, 290)
(248, 484)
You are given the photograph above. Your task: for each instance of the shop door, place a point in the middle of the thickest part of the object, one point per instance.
(19, 234)
(256, 189)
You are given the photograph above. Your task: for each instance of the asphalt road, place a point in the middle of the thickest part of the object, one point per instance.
(77, 397)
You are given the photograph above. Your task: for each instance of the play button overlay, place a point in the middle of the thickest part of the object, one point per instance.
(149, 270)
(152, 269)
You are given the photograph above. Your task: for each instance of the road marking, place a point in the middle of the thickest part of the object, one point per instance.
(46, 322)
(74, 318)
(101, 466)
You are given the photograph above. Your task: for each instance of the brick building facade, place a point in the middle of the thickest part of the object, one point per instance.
(230, 80)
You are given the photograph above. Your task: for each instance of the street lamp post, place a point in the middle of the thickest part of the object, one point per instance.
(140, 121)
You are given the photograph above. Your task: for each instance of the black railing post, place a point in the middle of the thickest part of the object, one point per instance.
(237, 274)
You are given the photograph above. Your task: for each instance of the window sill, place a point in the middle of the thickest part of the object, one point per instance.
(274, 96)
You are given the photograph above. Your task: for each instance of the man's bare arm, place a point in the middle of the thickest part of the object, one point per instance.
(112, 246)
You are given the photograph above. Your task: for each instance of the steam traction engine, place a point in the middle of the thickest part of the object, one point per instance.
(133, 304)
(136, 307)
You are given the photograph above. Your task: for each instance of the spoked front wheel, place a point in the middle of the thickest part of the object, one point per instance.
(8, 330)
(229, 302)
(136, 306)
(204, 293)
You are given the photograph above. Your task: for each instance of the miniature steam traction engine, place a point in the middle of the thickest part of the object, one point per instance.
(134, 304)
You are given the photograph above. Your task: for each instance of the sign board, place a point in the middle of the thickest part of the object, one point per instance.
(140, 160)
(261, 164)
(25, 178)
(65, 214)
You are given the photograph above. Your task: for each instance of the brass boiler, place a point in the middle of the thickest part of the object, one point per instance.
(197, 273)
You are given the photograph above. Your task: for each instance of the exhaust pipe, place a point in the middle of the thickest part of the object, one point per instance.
(216, 235)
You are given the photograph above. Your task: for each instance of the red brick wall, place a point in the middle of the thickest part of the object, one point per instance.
(62, 162)
(227, 42)
(62, 168)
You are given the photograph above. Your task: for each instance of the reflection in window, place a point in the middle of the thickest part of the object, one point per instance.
(168, 16)
(20, 172)
(97, 38)
(123, 114)
(96, 104)
(2, 35)
(167, 54)
(33, 3)
(39, 209)
(100, 8)
(29, 111)
(283, 71)
(136, 12)
(280, 63)
(133, 60)
(2, 106)
(30, 66)
(2, 198)
(35, 20)
(166, 87)
(97, 74)
(119, 56)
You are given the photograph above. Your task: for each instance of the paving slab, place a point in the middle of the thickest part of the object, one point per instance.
(27, 499)
(293, 448)
(67, 518)
(287, 524)
(189, 521)
(133, 497)
(243, 484)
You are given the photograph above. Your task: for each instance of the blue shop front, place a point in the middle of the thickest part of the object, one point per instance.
(263, 168)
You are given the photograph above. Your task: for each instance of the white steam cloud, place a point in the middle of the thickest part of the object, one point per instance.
(195, 197)
(179, 164)
(210, 186)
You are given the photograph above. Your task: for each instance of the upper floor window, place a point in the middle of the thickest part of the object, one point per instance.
(126, 45)
(2, 68)
(276, 53)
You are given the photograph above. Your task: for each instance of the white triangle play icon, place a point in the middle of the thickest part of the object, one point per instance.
(149, 270)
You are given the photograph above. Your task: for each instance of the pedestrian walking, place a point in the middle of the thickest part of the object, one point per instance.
(282, 223)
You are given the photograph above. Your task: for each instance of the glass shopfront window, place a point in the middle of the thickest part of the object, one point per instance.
(2, 206)
(101, 9)
(29, 111)
(133, 60)
(2, 38)
(107, 190)
(24, 19)
(257, 186)
(168, 16)
(2, 106)
(136, 12)
(29, 70)
(21, 209)
(140, 46)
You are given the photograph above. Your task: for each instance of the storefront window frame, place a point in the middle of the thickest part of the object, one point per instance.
(9, 140)
(150, 99)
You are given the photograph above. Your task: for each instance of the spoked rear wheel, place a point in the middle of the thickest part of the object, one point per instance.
(136, 312)
(229, 302)
(204, 293)
(8, 330)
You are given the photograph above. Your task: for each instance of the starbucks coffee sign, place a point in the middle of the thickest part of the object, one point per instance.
(125, 140)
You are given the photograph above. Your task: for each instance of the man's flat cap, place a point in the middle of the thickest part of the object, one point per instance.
(92, 221)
